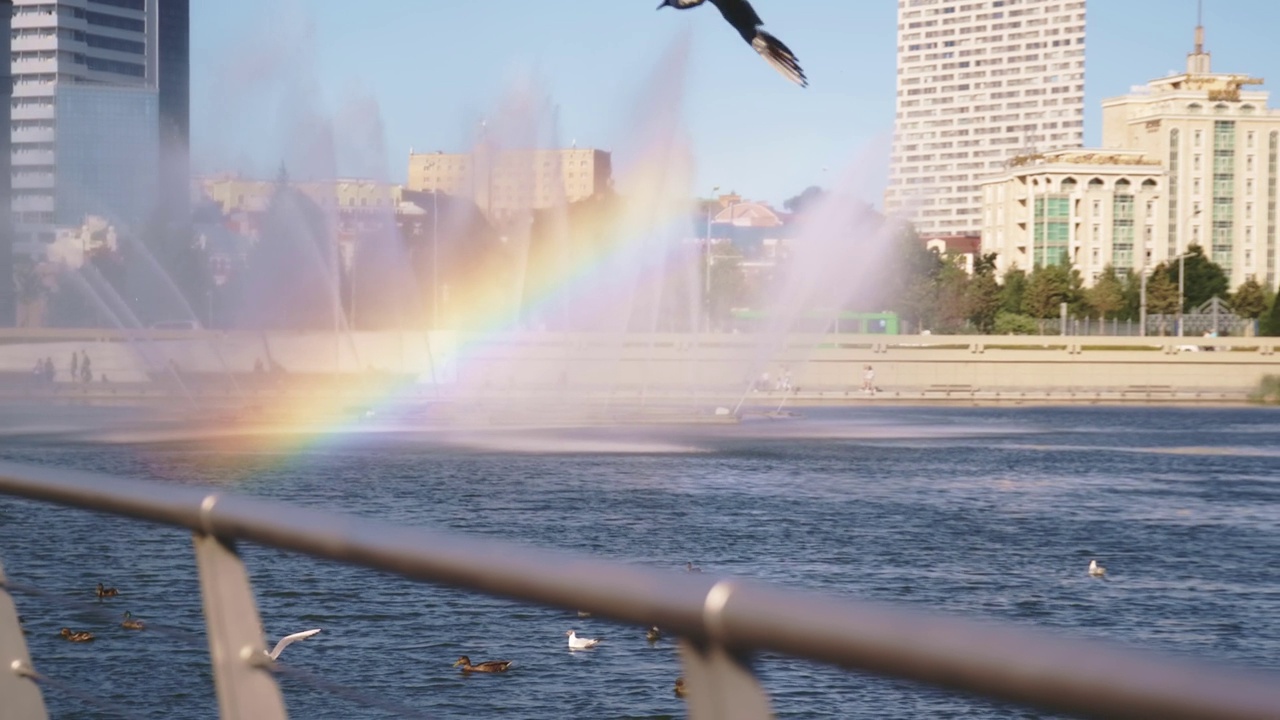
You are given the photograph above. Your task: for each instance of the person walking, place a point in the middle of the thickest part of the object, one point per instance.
(868, 380)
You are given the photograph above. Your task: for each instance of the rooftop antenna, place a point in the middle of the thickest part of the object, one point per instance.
(1199, 26)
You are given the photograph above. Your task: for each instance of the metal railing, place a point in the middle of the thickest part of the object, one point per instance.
(722, 622)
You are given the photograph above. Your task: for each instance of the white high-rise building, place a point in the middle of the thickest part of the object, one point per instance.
(86, 111)
(979, 82)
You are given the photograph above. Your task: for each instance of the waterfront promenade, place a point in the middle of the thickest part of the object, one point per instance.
(231, 369)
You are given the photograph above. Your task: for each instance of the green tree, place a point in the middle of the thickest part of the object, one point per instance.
(983, 300)
(1162, 297)
(1205, 278)
(1132, 296)
(1270, 325)
(1249, 301)
(1047, 288)
(1106, 297)
(1012, 290)
(915, 271)
(951, 297)
(1008, 323)
(728, 287)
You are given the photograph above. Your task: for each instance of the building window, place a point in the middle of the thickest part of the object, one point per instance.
(1199, 137)
(1195, 162)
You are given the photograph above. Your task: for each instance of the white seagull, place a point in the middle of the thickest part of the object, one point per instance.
(1096, 570)
(577, 643)
(288, 640)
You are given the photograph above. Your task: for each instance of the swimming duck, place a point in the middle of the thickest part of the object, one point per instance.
(131, 624)
(653, 634)
(680, 691)
(1096, 570)
(76, 636)
(106, 592)
(490, 666)
(577, 643)
(690, 567)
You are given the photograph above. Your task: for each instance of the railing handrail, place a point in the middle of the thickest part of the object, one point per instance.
(999, 661)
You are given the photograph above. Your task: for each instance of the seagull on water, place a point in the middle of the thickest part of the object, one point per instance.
(744, 19)
(1096, 570)
(577, 643)
(288, 640)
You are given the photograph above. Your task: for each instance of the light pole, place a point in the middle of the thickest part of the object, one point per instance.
(435, 244)
(1182, 275)
(706, 282)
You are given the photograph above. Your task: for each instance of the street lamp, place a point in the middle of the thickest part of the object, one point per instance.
(435, 245)
(706, 283)
(1182, 275)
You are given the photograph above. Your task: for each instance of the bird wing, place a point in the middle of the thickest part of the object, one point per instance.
(741, 16)
(288, 640)
(747, 22)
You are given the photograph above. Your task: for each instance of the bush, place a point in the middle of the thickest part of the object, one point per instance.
(1008, 323)
(1268, 391)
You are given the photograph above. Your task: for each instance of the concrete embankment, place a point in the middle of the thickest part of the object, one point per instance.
(232, 369)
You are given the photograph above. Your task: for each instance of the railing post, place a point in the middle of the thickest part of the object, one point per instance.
(20, 697)
(241, 668)
(720, 685)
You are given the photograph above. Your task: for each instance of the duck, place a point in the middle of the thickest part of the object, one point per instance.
(690, 567)
(490, 666)
(106, 592)
(130, 624)
(653, 634)
(577, 643)
(288, 640)
(76, 636)
(680, 691)
(1096, 570)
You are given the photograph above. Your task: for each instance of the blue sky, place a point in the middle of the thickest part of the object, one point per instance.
(394, 74)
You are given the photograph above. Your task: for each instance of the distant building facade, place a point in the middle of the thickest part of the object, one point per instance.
(87, 73)
(1219, 143)
(1189, 159)
(979, 82)
(8, 283)
(235, 194)
(504, 182)
(1085, 208)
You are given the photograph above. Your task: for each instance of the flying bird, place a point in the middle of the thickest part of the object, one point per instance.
(288, 640)
(744, 19)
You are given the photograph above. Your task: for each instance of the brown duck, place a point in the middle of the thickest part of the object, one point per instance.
(680, 691)
(105, 592)
(131, 624)
(492, 666)
(76, 636)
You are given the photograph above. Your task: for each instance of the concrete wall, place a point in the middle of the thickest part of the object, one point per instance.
(825, 362)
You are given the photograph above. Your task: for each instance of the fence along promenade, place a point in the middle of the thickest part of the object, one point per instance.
(721, 622)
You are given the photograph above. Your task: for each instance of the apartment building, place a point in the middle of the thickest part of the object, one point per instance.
(504, 182)
(94, 81)
(979, 82)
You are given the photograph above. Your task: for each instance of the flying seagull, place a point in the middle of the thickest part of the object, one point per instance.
(744, 19)
(288, 640)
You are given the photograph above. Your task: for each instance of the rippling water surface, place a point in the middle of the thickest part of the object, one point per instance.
(989, 513)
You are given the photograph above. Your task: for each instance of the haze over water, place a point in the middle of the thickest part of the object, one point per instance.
(986, 513)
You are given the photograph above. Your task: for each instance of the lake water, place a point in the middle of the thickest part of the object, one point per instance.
(983, 512)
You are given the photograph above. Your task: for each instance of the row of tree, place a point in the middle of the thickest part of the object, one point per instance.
(939, 294)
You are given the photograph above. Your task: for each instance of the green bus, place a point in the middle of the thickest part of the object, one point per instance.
(845, 321)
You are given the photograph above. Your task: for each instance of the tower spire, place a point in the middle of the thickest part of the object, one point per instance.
(1198, 59)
